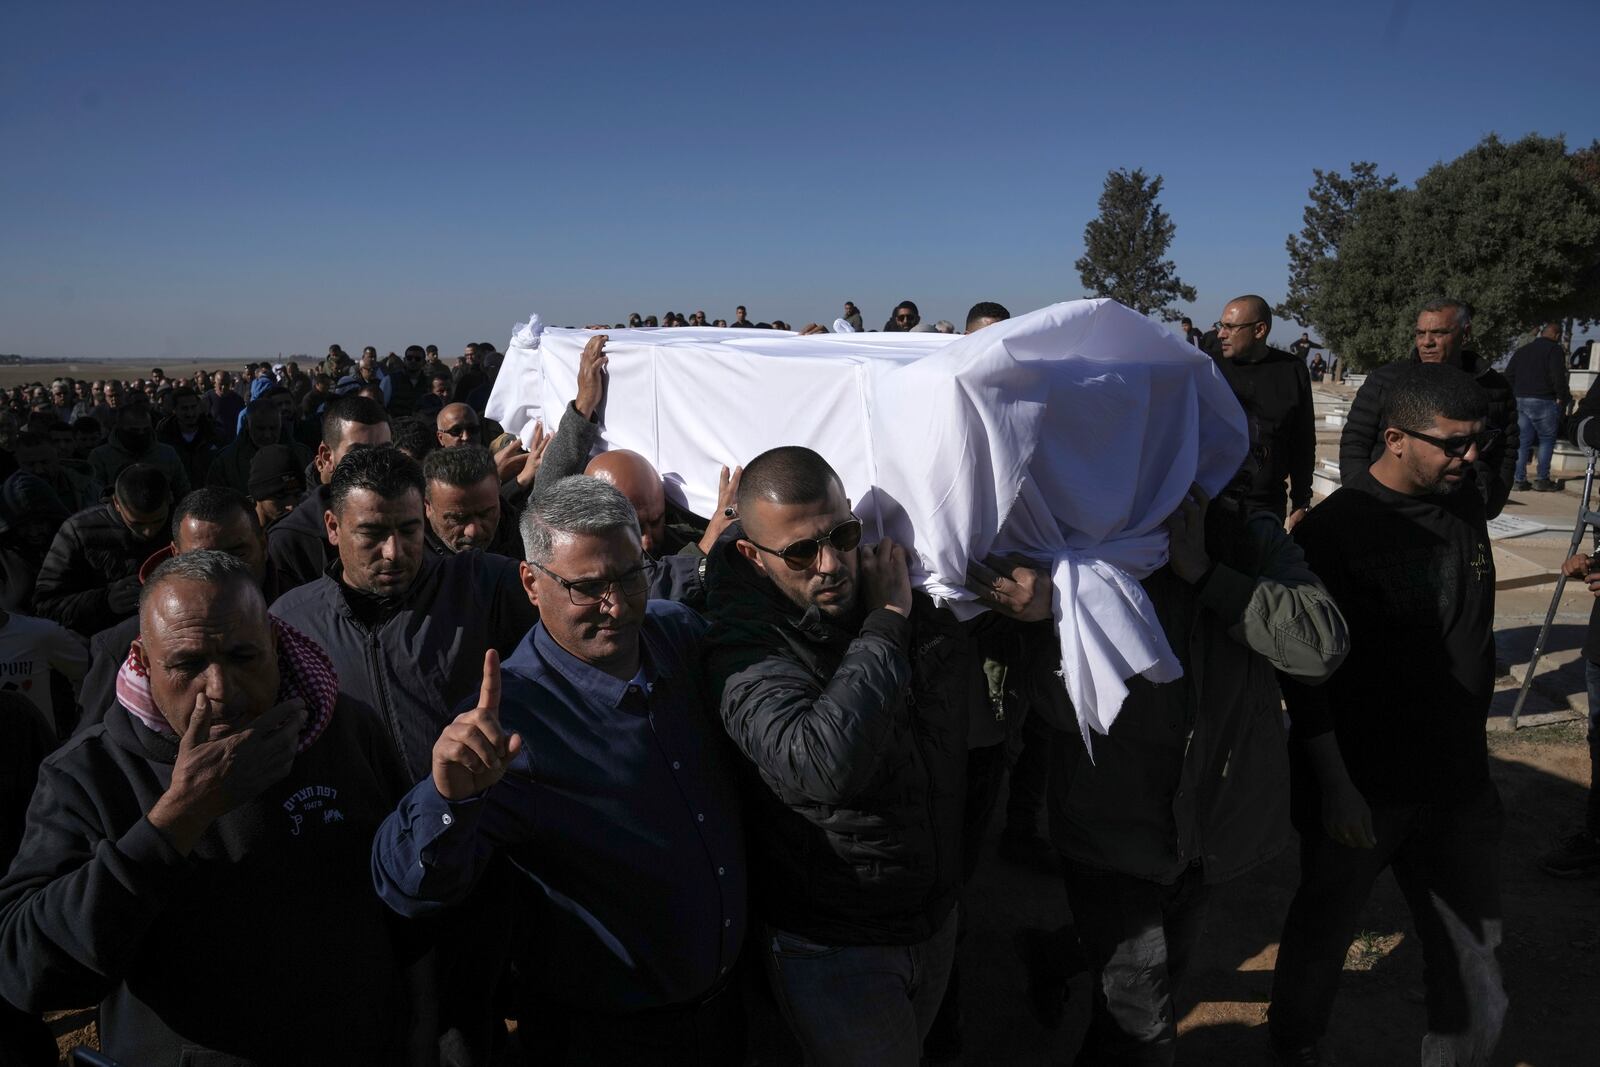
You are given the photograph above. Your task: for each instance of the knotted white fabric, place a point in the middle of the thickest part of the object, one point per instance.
(1066, 435)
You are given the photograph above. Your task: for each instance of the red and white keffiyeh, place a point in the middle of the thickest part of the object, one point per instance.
(304, 671)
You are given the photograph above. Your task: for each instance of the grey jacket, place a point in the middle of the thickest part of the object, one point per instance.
(412, 670)
(1196, 771)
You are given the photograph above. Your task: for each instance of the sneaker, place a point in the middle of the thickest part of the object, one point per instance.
(1522, 487)
(1578, 855)
(1545, 485)
(1033, 852)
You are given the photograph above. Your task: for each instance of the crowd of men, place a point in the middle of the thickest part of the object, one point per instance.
(343, 728)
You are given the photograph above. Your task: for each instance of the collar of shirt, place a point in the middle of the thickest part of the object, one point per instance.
(596, 685)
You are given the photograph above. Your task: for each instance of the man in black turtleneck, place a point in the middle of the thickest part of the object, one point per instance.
(1274, 388)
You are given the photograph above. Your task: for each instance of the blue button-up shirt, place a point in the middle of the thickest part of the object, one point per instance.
(621, 811)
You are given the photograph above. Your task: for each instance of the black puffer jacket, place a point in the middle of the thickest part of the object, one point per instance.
(1361, 443)
(856, 748)
(93, 551)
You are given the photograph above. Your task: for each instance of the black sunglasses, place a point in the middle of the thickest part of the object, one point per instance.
(1457, 447)
(802, 554)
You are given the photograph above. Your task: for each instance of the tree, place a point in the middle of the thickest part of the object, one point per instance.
(1333, 202)
(1124, 245)
(1511, 228)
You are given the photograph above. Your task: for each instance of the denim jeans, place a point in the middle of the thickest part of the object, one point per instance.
(1138, 937)
(865, 1004)
(1538, 419)
(1445, 857)
(1591, 676)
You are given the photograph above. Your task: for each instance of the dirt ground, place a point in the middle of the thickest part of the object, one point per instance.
(27, 373)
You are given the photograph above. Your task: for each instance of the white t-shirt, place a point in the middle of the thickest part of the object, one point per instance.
(29, 649)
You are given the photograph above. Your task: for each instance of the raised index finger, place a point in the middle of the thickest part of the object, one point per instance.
(489, 692)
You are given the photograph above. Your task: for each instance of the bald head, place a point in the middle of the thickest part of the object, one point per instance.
(1243, 328)
(636, 479)
(1551, 331)
(458, 425)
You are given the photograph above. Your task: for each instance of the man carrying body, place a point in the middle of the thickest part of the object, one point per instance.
(162, 845)
(598, 771)
(849, 698)
(1538, 376)
(1443, 329)
(464, 505)
(1274, 388)
(1391, 763)
(298, 544)
(1185, 792)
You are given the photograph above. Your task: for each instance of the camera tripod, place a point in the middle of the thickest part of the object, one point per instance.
(1586, 519)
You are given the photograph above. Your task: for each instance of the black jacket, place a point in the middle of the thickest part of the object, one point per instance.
(267, 945)
(410, 672)
(507, 537)
(1274, 388)
(1539, 369)
(856, 742)
(93, 550)
(1361, 443)
(196, 455)
(297, 544)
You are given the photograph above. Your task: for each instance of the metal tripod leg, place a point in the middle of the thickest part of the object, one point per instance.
(1586, 519)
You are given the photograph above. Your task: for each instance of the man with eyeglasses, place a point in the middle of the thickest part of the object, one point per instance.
(849, 698)
(590, 762)
(1389, 763)
(1443, 330)
(1274, 388)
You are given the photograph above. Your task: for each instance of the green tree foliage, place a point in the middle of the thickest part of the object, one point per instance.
(1333, 201)
(1124, 246)
(1512, 228)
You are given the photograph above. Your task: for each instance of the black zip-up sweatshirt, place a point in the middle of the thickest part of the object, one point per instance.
(1414, 577)
(266, 945)
(1274, 388)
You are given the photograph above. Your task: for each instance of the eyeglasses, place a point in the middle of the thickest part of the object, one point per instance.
(802, 554)
(1457, 447)
(466, 429)
(592, 591)
(1230, 327)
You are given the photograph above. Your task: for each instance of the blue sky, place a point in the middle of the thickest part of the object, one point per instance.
(239, 180)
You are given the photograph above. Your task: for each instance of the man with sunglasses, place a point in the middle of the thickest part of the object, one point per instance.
(591, 762)
(1443, 331)
(849, 698)
(1389, 763)
(1274, 388)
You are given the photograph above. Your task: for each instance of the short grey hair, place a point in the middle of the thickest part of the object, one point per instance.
(578, 504)
(1462, 309)
(207, 566)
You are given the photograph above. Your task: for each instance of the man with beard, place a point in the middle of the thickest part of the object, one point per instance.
(464, 505)
(190, 433)
(849, 697)
(1390, 763)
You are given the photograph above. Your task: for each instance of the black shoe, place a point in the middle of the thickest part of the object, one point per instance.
(1545, 485)
(1577, 856)
(1522, 487)
(1033, 852)
(1049, 958)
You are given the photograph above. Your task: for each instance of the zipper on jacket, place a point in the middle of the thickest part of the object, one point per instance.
(381, 691)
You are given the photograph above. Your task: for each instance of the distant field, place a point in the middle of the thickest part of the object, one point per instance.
(43, 372)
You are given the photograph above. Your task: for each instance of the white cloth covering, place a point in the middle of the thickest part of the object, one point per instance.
(1066, 435)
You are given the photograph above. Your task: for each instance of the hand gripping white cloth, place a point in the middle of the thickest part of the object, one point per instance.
(1066, 435)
